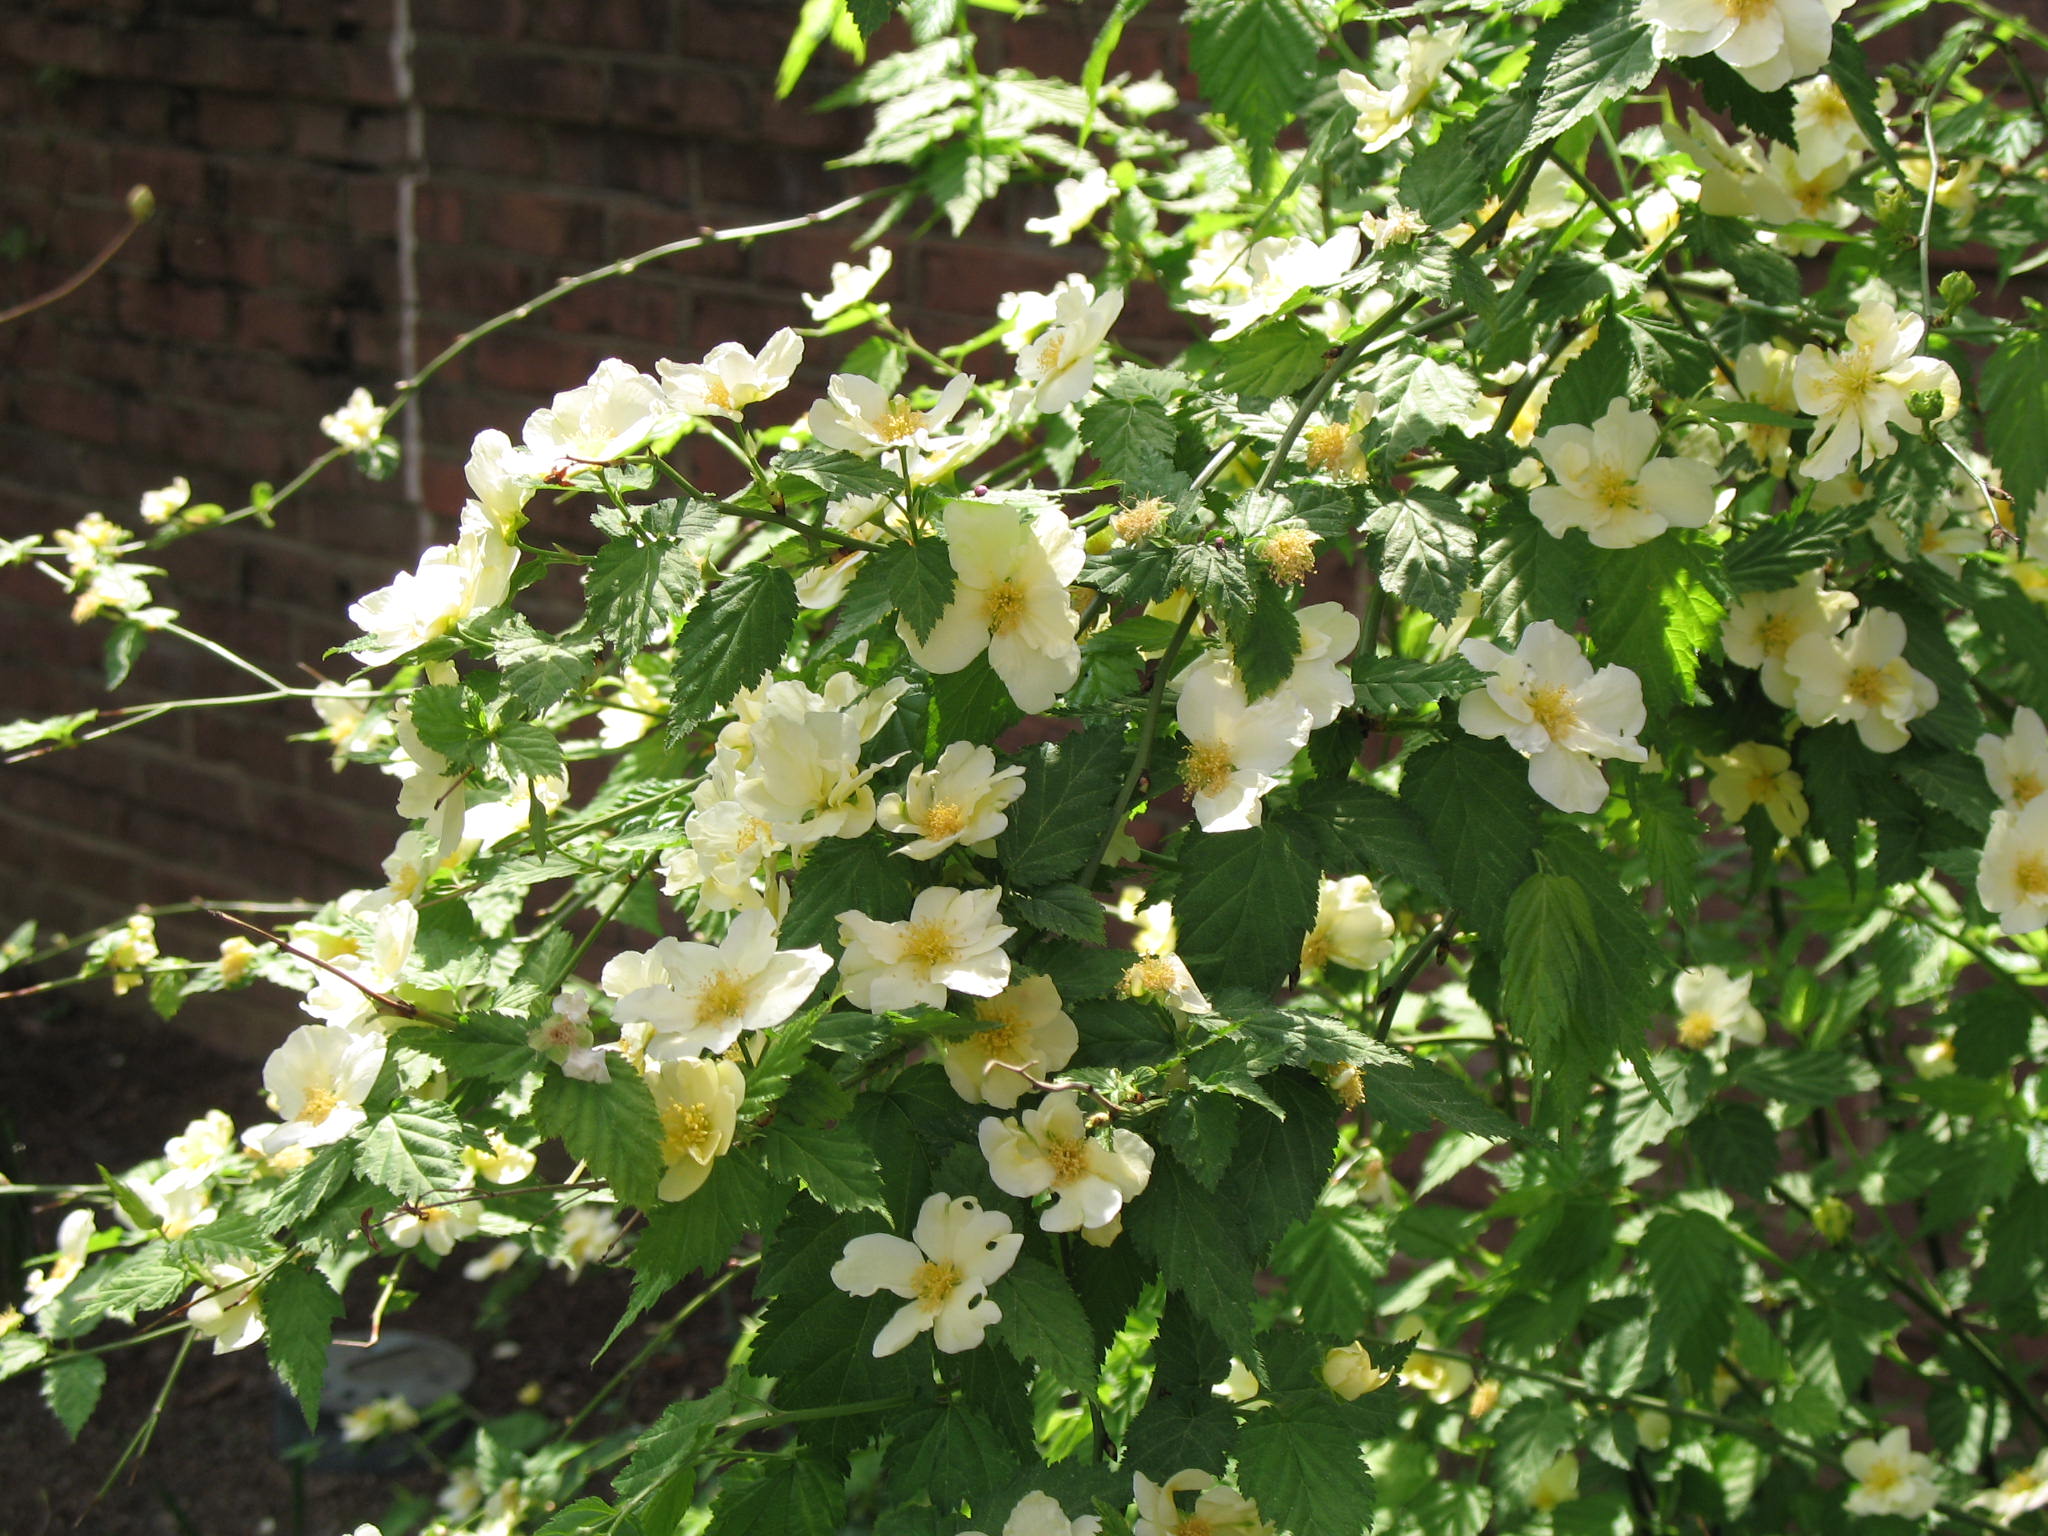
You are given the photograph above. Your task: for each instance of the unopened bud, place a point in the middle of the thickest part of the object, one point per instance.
(1958, 291)
(141, 203)
(1832, 1219)
(1927, 404)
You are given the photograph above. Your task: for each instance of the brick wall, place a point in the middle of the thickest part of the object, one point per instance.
(558, 135)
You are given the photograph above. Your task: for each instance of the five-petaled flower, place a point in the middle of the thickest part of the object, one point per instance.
(699, 998)
(1047, 1149)
(1858, 394)
(1891, 1477)
(1028, 1035)
(1862, 677)
(956, 1252)
(1611, 483)
(953, 939)
(1545, 698)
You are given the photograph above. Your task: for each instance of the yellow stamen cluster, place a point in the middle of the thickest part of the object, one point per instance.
(1003, 609)
(723, 999)
(929, 944)
(320, 1103)
(2030, 876)
(1697, 1030)
(1867, 686)
(1069, 1160)
(1206, 768)
(1552, 708)
(1152, 974)
(933, 1281)
(1327, 445)
(944, 819)
(1140, 520)
(900, 423)
(1289, 555)
(685, 1128)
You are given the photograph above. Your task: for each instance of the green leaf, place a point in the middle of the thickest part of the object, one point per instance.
(299, 1308)
(1202, 1129)
(920, 580)
(834, 1162)
(1064, 909)
(632, 590)
(540, 670)
(124, 643)
(1443, 182)
(737, 633)
(1140, 574)
(1389, 685)
(1333, 1262)
(834, 472)
(952, 1453)
(1804, 1079)
(1408, 1093)
(1550, 941)
(614, 1127)
(1419, 398)
(1768, 113)
(1281, 1163)
(1424, 547)
(1361, 830)
(71, 1389)
(1132, 438)
(1219, 579)
(846, 874)
(1695, 1280)
(414, 1151)
(449, 718)
(1245, 901)
(1654, 613)
(660, 1480)
(1532, 1435)
(1069, 787)
(784, 1496)
(141, 1282)
(1269, 361)
(1850, 71)
(972, 705)
(1589, 54)
(1179, 1431)
(1737, 1147)
(528, 752)
(1264, 647)
(1529, 576)
(1198, 1248)
(1590, 381)
(2015, 398)
(489, 1047)
(698, 1235)
(1481, 818)
(1303, 1463)
(1255, 60)
(1043, 1322)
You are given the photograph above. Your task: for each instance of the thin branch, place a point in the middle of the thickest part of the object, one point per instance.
(141, 205)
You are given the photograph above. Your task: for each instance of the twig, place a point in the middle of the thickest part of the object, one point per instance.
(1147, 734)
(397, 1005)
(141, 205)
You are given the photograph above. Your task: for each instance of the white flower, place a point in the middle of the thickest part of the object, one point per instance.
(1235, 750)
(502, 478)
(1935, 1058)
(1351, 927)
(452, 582)
(1384, 114)
(731, 378)
(1825, 126)
(1048, 1150)
(612, 415)
(699, 1103)
(959, 800)
(858, 416)
(952, 939)
(357, 424)
(1861, 677)
(1013, 566)
(957, 1252)
(1039, 1514)
(74, 1239)
(806, 782)
(1028, 1029)
(729, 847)
(2012, 877)
(160, 506)
(439, 1225)
(1165, 976)
(1218, 1511)
(1436, 1375)
(500, 1161)
(1770, 43)
(379, 1416)
(1610, 482)
(1024, 313)
(225, 1310)
(700, 997)
(1557, 1484)
(1554, 709)
(1240, 292)
(2026, 1490)
(2016, 765)
(1712, 1004)
(1858, 394)
(1157, 933)
(1077, 200)
(1756, 773)
(501, 1257)
(1061, 361)
(589, 1232)
(333, 1000)
(1762, 627)
(1349, 1372)
(850, 284)
(1763, 376)
(1329, 633)
(318, 1080)
(1891, 1477)
(1238, 1385)
(200, 1148)
(177, 1204)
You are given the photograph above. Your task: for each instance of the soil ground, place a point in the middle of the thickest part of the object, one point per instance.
(82, 1086)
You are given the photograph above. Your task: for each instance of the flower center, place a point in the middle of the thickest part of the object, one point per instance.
(1150, 975)
(753, 830)
(320, 1103)
(1194, 1525)
(1775, 635)
(717, 393)
(2024, 787)
(1207, 768)
(929, 944)
(1315, 950)
(1867, 686)
(1553, 709)
(1747, 10)
(944, 819)
(1763, 787)
(1697, 1029)
(1290, 555)
(1050, 347)
(685, 1129)
(723, 999)
(1326, 445)
(1884, 1477)
(1069, 1160)
(1003, 608)
(1616, 490)
(900, 422)
(1854, 375)
(2022, 1481)
(933, 1281)
(2030, 874)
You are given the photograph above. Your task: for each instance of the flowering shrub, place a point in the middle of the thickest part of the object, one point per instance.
(1540, 699)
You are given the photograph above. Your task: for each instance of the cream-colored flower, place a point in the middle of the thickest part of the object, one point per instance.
(1557, 1484)
(1862, 677)
(378, 1417)
(1156, 932)
(2016, 765)
(1941, 542)
(1047, 1149)
(1218, 1510)
(589, 1232)
(1763, 376)
(1935, 1058)
(858, 416)
(1029, 1032)
(376, 966)
(851, 283)
(1238, 1385)
(1349, 1372)
(438, 1224)
(960, 799)
(1438, 1376)
(452, 582)
(2012, 877)
(1166, 977)
(1013, 566)
(500, 1258)
(610, 416)
(1319, 683)
(502, 478)
(1076, 201)
(731, 378)
(956, 1252)
(357, 425)
(1762, 627)
(1351, 926)
(1039, 1514)
(699, 998)
(499, 1161)
(1891, 1477)
(200, 1148)
(225, 1308)
(952, 939)
(179, 1206)
(132, 948)
(1551, 706)
(806, 782)
(1239, 285)
(160, 506)
(699, 1103)
(726, 857)
(1418, 62)
(1611, 484)
(1857, 394)
(2023, 1492)
(1236, 750)
(1060, 361)
(74, 1241)
(318, 1080)
(1754, 773)
(90, 541)
(1712, 1005)
(1824, 124)
(1770, 43)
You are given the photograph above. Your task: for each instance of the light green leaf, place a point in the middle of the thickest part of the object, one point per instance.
(1333, 1262)
(1695, 1281)
(1654, 613)
(528, 751)
(414, 1151)
(632, 590)
(660, 1480)
(1132, 438)
(299, 1308)
(1269, 361)
(1255, 60)
(1420, 397)
(859, 874)
(612, 1126)
(1591, 53)
(71, 1389)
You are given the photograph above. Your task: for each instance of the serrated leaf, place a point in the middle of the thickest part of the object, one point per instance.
(614, 1127)
(1737, 1147)
(1482, 820)
(1419, 398)
(845, 874)
(142, 1282)
(952, 1452)
(1043, 1322)
(540, 670)
(972, 705)
(698, 1235)
(1064, 909)
(413, 1151)
(1055, 825)
(633, 590)
(71, 1389)
(1777, 554)
(1532, 1435)
(1424, 546)
(449, 718)
(1244, 903)
(1182, 1229)
(1409, 1094)
(1281, 1163)
(490, 1047)
(1179, 1431)
(1388, 685)
(1766, 113)
(783, 1496)
(920, 580)
(1361, 830)
(1590, 382)
(1550, 941)
(1304, 1466)
(1850, 71)
(1695, 1279)
(1270, 361)
(1132, 438)
(2015, 397)
(737, 633)
(1804, 1079)
(1255, 60)
(661, 1479)
(1654, 613)
(833, 1162)
(1589, 54)
(1203, 1133)
(1219, 579)
(1333, 1262)
(1442, 182)
(1265, 645)
(299, 1308)
(528, 751)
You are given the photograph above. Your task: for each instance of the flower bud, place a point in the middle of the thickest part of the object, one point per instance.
(1832, 1219)
(1958, 291)
(1927, 404)
(1350, 1373)
(1653, 1429)
(236, 955)
(141, 203)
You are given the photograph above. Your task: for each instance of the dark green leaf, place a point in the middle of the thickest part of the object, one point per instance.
(784, 1496)
(1043, 1322)
(1389, 685)
(846, 874)
(1591, 381)
(414, 1151)
(1766, 113)
(1069, 787)
(1303, 1463)
(1695, 1281)
(1064, 909)
(1333, 1262)
(1420, 397)
(951, 1453)
(736, 633)
(1805, 1079)
(1443, 182)
(1481, 818)
(299, 1308)
(1245, 902)
(2015, 395)
(1737, 1148)
(1424, 546)
(1132, 438)
(834, 1163)
(1265, 646)
(1654, 613)
(1851, 73)
(612, 1126)
(1199, 1250)
(699, 1234)
(632, 590)
(972, 705)
(540, 670)
(528, 752)
(920, 579)
(1361, 830)
(1218, 578)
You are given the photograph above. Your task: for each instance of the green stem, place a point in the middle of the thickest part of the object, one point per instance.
(661, 1337)
(138, 1443)
(583, 946)
(1147, 734)
(214, 648)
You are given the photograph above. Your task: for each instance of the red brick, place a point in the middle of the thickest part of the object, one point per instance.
(358, 137)
(970, 280)
(240, 123)
(494, 145)
(542, 224)
(728, 30)
(504, 20)
(719, 103)
(550, 85)
(626, 26)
